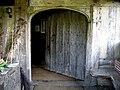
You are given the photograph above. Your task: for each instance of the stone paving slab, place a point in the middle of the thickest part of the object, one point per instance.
(59, 83)
(39, 87)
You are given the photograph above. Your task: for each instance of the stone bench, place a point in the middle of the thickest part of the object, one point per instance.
(110, 73)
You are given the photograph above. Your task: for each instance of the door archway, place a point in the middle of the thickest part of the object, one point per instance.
(64, 35)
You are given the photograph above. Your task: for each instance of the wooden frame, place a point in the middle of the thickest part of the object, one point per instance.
(43, 26)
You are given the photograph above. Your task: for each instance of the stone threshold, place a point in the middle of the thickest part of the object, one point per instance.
(58, 83)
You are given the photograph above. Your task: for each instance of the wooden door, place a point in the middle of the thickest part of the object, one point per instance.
(66, 43)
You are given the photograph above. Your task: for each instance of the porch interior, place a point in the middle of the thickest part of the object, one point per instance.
(39, 73)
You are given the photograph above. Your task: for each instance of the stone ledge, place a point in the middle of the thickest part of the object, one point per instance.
(10, 78)
(9, 69)
(110, 73)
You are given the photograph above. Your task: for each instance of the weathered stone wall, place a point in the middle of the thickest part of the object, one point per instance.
(6, 30)
(9, 24)
(11, 80)
(60, 2)
(106, 37)
(13, 49)
(17, 51)
(13, 38)
(1, 33)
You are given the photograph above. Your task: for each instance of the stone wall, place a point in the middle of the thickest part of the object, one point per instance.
(15, 50)
(19, 44)
(7, 29)
(106, 35)
(60, 2)
(13, 33)
(1, 34)
(11, 80)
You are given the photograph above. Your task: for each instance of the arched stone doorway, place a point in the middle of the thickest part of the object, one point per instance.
(58, 41)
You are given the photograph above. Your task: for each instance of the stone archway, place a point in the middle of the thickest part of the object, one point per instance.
(71, 59)
(88, 46)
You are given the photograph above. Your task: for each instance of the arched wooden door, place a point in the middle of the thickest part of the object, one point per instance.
(66, 34)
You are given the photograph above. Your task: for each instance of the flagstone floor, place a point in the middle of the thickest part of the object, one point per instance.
(47, 80)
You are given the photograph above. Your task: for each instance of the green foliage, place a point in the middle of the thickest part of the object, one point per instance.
(3, 64)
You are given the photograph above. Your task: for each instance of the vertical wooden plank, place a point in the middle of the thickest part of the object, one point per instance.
(66, 30)
(47, 54)
(81, 46)
(62, 42)
(59, 43)
(78, 40)
(53, 42)
(72, 44)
